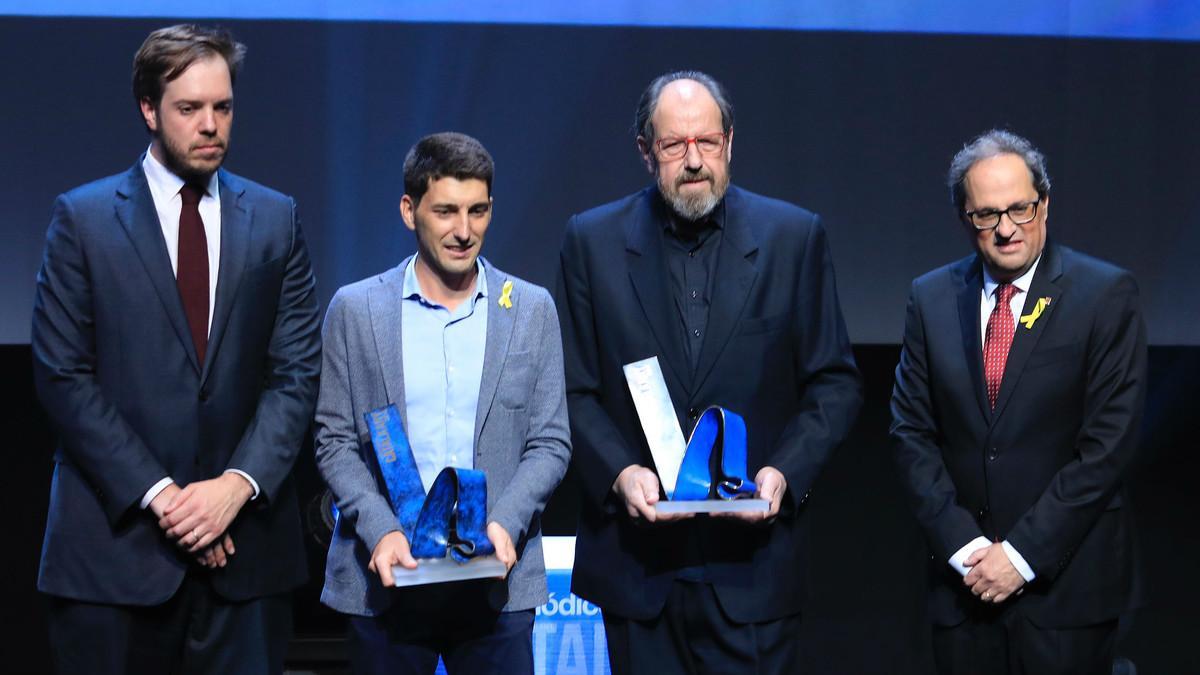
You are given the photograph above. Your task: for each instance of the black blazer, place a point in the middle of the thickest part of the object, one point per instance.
(776, 353)
(116, 370)
(1045, 469)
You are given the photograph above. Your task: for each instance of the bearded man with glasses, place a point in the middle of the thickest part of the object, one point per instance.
(734, 294)
(1015, 416)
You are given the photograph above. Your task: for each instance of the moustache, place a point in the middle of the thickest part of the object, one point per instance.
(693, 177)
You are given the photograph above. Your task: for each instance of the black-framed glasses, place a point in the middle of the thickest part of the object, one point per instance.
(989, 219)
(674, 147)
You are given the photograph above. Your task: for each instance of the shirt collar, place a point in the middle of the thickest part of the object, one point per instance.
(166, 183)
(411, 288)
(1022, 282)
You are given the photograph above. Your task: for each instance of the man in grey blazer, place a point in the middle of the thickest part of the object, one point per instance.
(472, 358)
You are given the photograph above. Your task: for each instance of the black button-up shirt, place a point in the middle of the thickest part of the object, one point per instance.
(691, 250)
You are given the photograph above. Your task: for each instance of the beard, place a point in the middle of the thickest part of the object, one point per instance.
(693, 205)
(175, 158)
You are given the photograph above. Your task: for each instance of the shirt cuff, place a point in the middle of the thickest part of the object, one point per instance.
(253, 483)
(960, 556)
(1018, 562)
(154, 490)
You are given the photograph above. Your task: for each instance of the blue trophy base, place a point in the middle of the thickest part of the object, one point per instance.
(442, 570)
(713, 506)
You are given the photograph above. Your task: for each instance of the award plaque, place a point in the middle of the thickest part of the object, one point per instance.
(446, 529)
(705, 474)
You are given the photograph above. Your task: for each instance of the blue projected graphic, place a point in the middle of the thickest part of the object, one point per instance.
(1142, 19)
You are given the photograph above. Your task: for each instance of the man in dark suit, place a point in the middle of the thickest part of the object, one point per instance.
(1015, 414)
(176, 350)
(734, 293)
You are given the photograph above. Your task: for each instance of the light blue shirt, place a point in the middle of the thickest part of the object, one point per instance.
(443, 366)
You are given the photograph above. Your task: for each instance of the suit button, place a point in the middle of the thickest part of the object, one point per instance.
(992, 454)
(982, 513)
(692, 413)
(204, 396)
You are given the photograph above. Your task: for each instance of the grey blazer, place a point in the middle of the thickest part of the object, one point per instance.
(522, 440)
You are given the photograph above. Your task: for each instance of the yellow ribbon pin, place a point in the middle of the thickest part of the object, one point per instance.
(506, 295)
(1031, 317)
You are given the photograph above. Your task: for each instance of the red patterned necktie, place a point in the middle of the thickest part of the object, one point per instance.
(191, 275)
(1000, 330)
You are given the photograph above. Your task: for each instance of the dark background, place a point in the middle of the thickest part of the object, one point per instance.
(858, 127)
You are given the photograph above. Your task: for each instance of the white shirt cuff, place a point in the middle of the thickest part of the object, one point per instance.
(960, 556)
(253, 483)
(1018, 562)
(154, 490)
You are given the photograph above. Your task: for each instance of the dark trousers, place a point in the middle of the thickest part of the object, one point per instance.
(195, 632)
(470, 639)
(694, 635)
(1007, 643)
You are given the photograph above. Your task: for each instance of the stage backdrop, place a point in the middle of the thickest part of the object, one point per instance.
(858, 125)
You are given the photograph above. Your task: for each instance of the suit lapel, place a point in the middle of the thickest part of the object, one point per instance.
(236, 221)
(384, 303)
(500, 324)
(969, 297)
(735, 275)
(136, 213)
(1044, 286)
(648, 273)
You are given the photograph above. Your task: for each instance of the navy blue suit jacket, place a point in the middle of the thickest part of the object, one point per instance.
(1044, 470)
(116, 370)
(776, 353)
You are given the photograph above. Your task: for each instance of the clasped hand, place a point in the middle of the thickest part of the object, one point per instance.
(196, 517)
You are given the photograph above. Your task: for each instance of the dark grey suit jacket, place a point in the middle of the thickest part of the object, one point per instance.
(116, 371)
(522, 441)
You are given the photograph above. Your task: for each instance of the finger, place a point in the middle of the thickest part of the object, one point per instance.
(218, 554)
(180, 498)
(647, 511)
(975, 557)
(203, 540)
(385, 572)
(227, 542)
(406, 559)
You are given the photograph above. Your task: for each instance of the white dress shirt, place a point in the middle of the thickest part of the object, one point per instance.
(164, 190)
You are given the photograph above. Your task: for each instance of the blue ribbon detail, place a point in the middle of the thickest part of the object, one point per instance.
(714, 464)
(452, 518)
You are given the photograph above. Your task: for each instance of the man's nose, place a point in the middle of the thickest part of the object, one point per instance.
(691, 157)
(208, 121)
(462, 226)
(1006, 228)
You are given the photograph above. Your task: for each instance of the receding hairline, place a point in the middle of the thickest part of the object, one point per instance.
(685, 92)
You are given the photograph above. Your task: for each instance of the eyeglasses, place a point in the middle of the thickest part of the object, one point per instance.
(707, 144)
(989, 219)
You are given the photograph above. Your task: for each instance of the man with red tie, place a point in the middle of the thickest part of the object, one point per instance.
(1015, 415)
(176, 350)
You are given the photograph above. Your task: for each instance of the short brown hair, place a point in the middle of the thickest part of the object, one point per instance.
(169, 51)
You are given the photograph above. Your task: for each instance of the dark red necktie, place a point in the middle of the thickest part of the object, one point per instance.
(1000, 330)
(191, 274)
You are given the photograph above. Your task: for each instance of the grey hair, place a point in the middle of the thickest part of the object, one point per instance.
(649, 101)
(989, 144)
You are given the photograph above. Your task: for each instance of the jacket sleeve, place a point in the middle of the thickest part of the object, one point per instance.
(600, 452)
(830, 385)
(914, 441)
(273, 437)
(94, 438)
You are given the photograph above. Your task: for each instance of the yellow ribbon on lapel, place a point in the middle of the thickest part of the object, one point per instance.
(1031, 317)
(506, 295)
